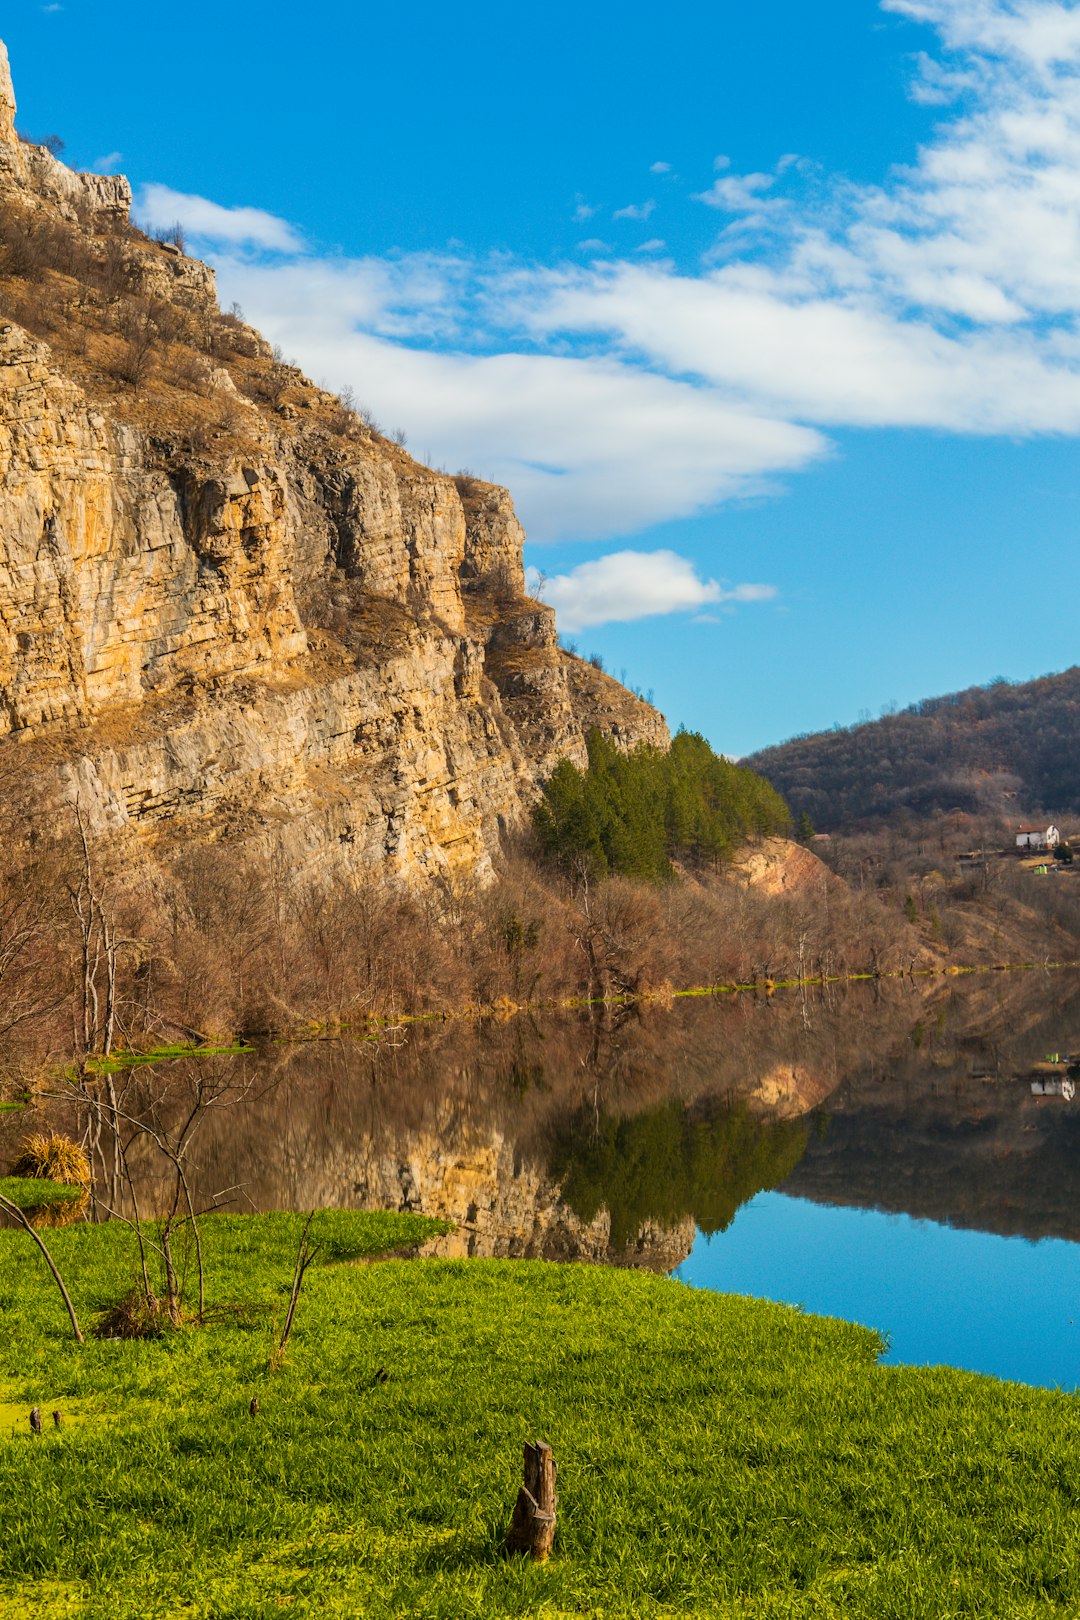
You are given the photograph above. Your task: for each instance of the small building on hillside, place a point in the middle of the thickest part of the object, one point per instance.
(1037, 838)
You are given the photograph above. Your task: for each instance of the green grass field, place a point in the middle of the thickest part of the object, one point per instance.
(718, 1456)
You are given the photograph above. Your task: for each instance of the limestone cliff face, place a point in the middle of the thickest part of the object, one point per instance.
(116, 578)
(273, 630)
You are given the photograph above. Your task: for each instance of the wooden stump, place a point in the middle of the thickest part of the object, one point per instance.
(532, 1528)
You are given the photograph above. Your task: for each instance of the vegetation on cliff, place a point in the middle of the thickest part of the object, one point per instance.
(718, 1456)
(634, 813)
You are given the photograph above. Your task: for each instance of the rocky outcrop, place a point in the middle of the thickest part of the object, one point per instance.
(117, 577)
(40, 178)
(778, 866)
(274, 629)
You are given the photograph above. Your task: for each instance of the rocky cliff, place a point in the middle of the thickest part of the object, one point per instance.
(228, 606)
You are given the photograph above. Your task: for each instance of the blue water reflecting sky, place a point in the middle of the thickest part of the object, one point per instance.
(969, 1299)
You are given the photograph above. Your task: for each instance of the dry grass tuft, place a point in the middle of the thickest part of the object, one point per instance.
(53, 1158)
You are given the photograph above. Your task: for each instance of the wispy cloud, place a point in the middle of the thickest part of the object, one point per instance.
(629, 585)
(591, 445)
(108, 164)
(659, 168)
(638, 211)
(617, 393)
(159, 207)
(740, 193)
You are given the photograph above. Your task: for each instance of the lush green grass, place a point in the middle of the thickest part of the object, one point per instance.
(719, 1456)
(37, 1192)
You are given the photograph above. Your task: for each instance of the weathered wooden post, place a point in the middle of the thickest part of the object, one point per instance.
(532, 1528)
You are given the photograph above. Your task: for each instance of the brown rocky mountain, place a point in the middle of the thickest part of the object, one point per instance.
(229, 607)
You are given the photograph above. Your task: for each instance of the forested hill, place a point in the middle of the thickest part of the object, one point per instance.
(1003, 750)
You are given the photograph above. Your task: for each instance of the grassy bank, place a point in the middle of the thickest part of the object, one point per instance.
(718, 1456)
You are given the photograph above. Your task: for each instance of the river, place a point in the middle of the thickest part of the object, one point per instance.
(903, 1154)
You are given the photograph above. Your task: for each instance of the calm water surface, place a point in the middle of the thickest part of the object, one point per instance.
(1001, 1305)
(904, 1155)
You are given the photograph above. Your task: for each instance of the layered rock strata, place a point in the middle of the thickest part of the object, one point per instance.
(281, 631)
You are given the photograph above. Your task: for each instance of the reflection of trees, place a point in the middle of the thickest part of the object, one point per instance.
(648, 1110)
(671, 1162)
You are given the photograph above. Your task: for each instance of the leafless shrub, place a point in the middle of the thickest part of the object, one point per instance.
(173, 237)
(23, 248)
(500, 582)
(141, 340)
(138, 1315)
(272, 384)
(189, 370)
(230, 336)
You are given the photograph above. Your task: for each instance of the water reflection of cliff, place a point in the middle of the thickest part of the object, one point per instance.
(609, 1135)
(582, 1138)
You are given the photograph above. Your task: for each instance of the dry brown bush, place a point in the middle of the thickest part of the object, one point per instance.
(53, 1158)
(139, 1315)
(636, 952)
(188, 370)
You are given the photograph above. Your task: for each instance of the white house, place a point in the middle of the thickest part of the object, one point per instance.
(1054, 1088)
(1037, 838)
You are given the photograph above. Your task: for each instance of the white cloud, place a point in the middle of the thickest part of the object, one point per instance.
(628, 585)
(617, 393)
(655, 244)
(159, 207)
(771, 341)
(583, 210)
(936, 84)
(590, 446)
(1042, 34)
(109, 163)
(659, 168)
(740, 193)
(639, 211)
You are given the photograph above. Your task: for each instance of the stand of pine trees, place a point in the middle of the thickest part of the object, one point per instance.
(636, 813)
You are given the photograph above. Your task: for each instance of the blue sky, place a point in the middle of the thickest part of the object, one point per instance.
(766, 315)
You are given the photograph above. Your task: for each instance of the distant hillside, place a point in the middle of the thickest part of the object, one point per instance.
(1000, 750)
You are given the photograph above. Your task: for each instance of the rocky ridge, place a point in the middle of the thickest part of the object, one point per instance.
(273, 624)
